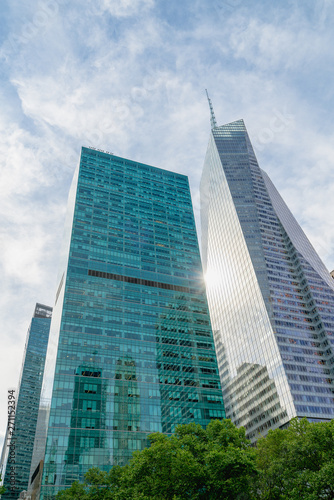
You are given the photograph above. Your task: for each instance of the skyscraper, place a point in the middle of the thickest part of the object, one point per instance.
(131, 349)
(271, 299)
(27, 403)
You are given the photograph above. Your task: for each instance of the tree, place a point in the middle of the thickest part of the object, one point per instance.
(219, 463)
(194, 464)
(297, 463)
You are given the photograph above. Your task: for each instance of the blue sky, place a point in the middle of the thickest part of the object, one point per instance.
(128, 76)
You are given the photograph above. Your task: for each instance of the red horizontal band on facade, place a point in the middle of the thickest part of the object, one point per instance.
(137, 281)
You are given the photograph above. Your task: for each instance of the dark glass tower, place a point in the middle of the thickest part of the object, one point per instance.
(271, 299)
(131, 348)
(27, 403)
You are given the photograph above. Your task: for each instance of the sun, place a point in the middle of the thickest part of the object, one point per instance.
(211, 278)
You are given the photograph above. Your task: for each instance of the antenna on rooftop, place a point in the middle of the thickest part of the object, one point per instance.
(212, 118)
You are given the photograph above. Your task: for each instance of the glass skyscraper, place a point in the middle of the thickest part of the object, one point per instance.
(270, 297)
(27, 403)
(131, 348)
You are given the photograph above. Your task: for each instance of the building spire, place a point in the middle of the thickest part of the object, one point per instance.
(212, 118)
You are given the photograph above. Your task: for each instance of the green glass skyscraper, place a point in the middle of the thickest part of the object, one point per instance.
(16, 476)
(131, 348)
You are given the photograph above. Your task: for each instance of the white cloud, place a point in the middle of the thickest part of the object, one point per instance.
(279, 47)
(115, 75)
(125, 8)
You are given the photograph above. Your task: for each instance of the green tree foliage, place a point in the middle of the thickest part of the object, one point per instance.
(219, 464)
(297, 463)
(192, 464)
(2, 488)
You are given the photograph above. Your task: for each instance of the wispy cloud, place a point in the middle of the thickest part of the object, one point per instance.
(125, 8)
(129, 77)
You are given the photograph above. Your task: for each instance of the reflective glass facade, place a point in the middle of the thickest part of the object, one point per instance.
(131, 348)
(271, 299)
(27, 403)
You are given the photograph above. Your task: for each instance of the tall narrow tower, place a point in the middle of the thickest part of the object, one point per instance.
(131, 347)
(271, 299)
(21, 435)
